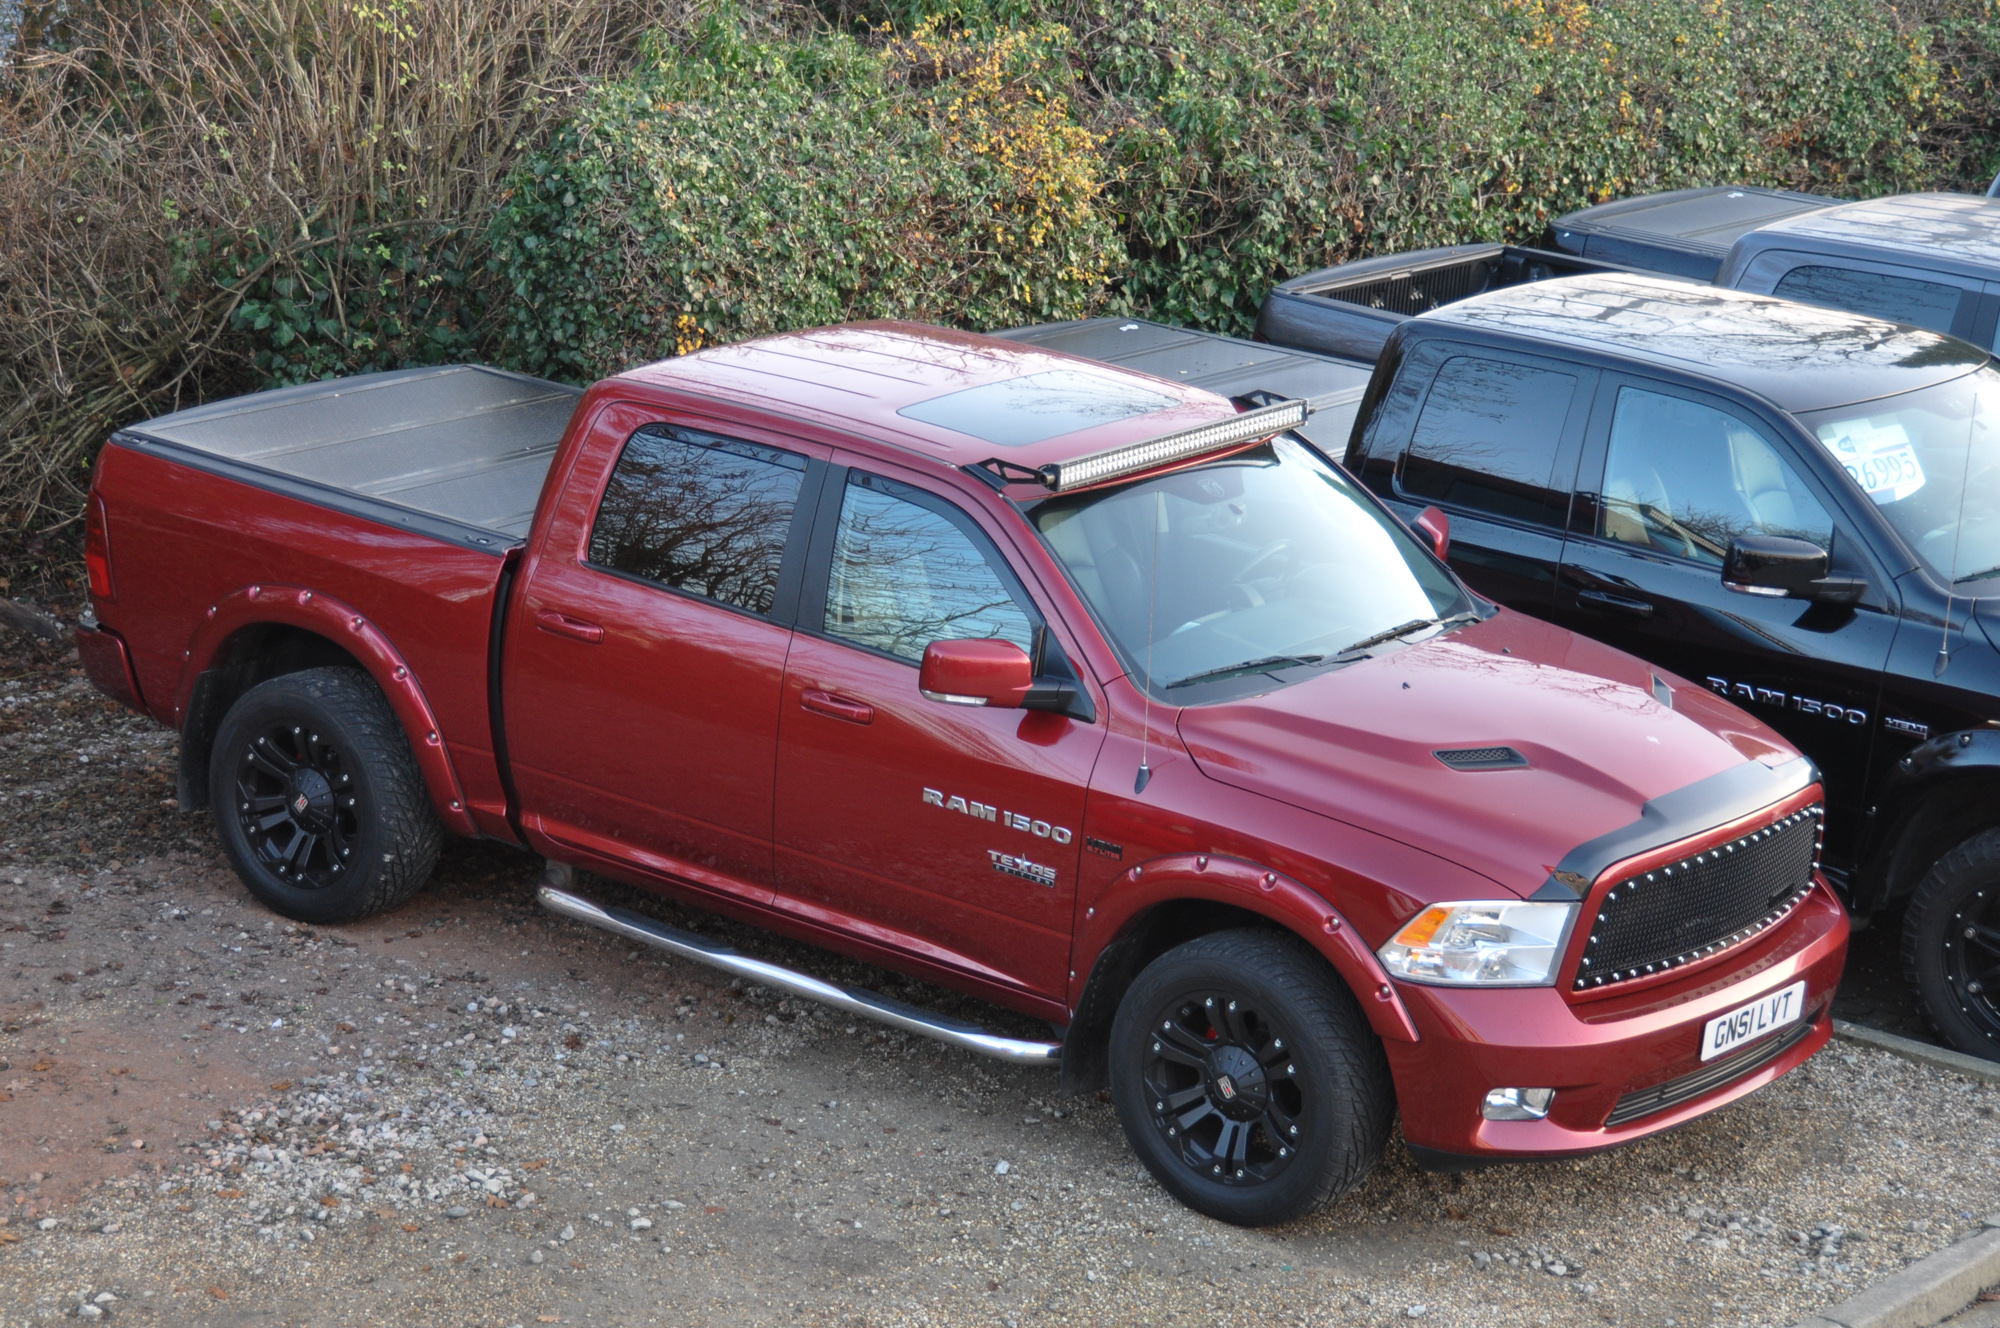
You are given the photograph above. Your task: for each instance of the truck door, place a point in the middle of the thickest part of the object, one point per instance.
(951, 832)
(647, 649)
(1670, 475)
(1494, 443)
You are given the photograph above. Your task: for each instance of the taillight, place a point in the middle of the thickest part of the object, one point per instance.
(97, 552)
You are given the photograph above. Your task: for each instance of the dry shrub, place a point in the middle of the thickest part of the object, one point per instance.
(188, 187)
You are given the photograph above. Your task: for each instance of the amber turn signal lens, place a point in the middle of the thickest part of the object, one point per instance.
(1420, 929)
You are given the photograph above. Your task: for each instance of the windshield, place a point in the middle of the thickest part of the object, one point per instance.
(1272, 558)
(1930, 460)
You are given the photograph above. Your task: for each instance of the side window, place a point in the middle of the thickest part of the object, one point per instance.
(1930, 304)
(1684, 478)
(705, 515)
(1487, 439)
(905, 575)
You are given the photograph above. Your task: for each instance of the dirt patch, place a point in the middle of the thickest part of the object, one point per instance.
(81, 1102)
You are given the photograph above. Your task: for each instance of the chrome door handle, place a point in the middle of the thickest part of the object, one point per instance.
(1610, 603)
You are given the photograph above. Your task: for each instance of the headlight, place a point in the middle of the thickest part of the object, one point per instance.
(1487, 943)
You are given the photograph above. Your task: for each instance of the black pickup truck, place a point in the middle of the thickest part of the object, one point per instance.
(1794, 506)
(1932, 260)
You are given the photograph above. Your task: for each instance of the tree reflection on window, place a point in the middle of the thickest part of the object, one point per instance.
(905, 576)
(701, 514)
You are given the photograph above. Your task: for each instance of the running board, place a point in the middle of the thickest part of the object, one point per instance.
(702, 950)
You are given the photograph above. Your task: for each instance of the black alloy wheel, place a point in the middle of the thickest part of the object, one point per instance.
(295, 804)
(1226, 1092)
(318, 799)
(1247, 1078)
(1951, 945)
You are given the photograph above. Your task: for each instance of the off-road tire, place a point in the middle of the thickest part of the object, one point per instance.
(1331, 1059)
(389, 832)
(1960, 893)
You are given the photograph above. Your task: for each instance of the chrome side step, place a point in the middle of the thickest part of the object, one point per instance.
(866, 1003)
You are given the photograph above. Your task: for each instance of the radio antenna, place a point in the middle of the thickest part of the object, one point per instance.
(1943, 660)
(1145, 776)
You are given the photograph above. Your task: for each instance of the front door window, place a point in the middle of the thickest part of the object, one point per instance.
(1684, 478)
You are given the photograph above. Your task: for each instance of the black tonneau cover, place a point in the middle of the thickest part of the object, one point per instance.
(459, 451)
(1228, 366)
(1683, 233)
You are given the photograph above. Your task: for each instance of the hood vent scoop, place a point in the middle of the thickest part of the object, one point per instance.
(1482, 758)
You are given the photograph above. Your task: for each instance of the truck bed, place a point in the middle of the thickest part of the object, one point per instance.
(457, 451)
(1229, 366)
(1350, 309)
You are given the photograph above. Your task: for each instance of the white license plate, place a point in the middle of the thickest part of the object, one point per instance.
(1726, 1032)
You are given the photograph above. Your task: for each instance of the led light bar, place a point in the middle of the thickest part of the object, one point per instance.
(1118, 462)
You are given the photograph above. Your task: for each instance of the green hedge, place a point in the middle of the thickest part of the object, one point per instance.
(1207, 148)
(747, 187)
(974, 162)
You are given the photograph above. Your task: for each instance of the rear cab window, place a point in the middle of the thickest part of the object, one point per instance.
(1488, 438)
(1929, 304)
(700, 514)
(1939, 301)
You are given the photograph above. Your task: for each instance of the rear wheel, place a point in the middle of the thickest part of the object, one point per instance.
(318, 800)
(1951, 945)
(1247, 1078)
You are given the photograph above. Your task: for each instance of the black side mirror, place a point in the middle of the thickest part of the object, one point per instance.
(1783, 567)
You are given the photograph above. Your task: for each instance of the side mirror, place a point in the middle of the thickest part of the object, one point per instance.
(979, 673)
(1779, 566)
(1433, 522)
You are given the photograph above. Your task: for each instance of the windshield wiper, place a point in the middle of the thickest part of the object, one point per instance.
(1408, 627)
(1273, 661)
(1247, 666)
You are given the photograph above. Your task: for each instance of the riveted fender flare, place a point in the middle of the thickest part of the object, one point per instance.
(1909, 792)
(1256, 889)
(322, 615)
(1947, 753)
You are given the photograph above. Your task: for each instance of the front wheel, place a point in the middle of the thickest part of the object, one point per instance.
(1247, 1078)
(318, 800)
(1951, 945)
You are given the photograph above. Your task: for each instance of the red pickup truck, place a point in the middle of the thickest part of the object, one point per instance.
(1100, 696)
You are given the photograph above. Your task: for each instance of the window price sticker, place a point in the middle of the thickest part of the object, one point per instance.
(1879, 457)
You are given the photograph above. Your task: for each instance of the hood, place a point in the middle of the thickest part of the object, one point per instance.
(1357, 744)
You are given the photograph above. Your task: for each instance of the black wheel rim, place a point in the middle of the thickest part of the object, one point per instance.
(295, 801)
(1972, 960)
(1223, 1088)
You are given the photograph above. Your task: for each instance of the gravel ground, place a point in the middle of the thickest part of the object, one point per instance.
(470, 1112)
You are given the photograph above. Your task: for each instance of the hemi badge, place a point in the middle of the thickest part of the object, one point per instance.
(1103, 846)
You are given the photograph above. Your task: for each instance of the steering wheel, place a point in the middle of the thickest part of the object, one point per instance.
(1264, 555)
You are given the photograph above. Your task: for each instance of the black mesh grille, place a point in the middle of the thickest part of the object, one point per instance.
(1661, 1097)
(1481, 758)
(1715, 899)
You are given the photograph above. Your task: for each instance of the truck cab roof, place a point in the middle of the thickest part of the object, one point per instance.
(1797, 356)
(956, 397)
(1946, 232)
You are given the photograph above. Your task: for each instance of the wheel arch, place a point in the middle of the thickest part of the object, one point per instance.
(1169, 901)
(1939, 795)
(264, 632)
